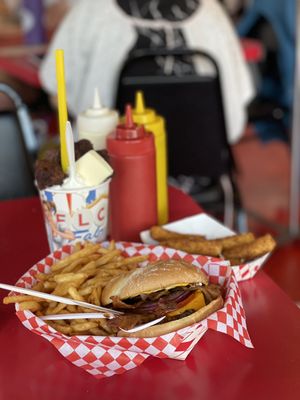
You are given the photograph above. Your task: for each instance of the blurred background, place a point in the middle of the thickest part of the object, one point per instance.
(262, 152)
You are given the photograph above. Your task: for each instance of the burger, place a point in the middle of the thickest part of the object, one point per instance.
(175, 289)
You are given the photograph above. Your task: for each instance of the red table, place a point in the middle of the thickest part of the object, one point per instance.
(218, 367)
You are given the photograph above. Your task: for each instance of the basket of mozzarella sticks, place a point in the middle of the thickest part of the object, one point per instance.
(108, 307)
(201, 234)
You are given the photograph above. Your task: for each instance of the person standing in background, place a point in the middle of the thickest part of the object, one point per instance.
(97, 36)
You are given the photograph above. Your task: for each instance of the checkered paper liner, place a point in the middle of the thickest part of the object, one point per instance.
(105, 356)
(248, 270)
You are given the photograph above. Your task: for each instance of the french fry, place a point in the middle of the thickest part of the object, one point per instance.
(136, 259)
(112, 245)
(39, 287)
(71, 309)
(30, 305)
(62, 322)
(94, 297)
(89, 266)
(63, 288)
(84, 326)
(73, 292)
(55, 310)
(85, 291)
(65, 329)
(77, 246)
(107, 257)
(50, 285)
(98, 332)
(69, 277)
(52, 304)
(20, 299)
(74, 322)
(74, 265)
(74, 256)
(42, 276)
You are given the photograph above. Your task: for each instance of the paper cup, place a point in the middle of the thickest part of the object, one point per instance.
(75, 214)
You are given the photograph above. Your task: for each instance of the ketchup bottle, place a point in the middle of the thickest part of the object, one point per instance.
(132, 198)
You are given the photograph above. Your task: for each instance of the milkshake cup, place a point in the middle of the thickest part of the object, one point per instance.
(73, 215)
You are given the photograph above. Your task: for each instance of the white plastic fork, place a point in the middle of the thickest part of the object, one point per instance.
(143, 326)
(56, 317)
(106, 311)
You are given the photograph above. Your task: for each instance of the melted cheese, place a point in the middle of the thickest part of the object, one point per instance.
(168, 288)
(196, 302)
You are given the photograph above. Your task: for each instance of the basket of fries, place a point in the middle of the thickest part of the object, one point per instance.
(80, 272)
(202, 234)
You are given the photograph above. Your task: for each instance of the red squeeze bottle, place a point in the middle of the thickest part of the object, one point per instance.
(132, 196)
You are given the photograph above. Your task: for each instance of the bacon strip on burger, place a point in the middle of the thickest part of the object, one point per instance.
(173, 288)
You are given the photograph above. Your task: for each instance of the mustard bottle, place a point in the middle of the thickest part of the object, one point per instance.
(155, 124)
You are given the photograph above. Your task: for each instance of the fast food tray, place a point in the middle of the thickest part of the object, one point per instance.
(104, 356)
(203, 224)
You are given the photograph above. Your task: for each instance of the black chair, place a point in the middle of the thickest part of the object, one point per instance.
(17, 150)
(198, 150)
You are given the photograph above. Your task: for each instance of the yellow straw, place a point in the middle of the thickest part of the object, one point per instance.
(62, 107)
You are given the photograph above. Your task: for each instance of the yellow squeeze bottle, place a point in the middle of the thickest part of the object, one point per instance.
(155, 124)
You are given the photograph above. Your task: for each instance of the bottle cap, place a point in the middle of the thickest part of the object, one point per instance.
(96, 123)
(129, 130)
(97, 119)
(97, 108)
(141, 114)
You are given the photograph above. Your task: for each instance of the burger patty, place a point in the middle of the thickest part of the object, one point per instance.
(145, 308)
(158, 303)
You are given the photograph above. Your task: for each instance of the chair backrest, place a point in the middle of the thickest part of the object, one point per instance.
(192, 106)
(16, 176)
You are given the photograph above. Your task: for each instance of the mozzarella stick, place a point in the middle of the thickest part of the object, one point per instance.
(235, 240)
(204, 247)
(236, 261)
(248, 251)
(159, 233)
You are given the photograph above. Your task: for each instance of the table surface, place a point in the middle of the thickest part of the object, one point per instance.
(218, 366)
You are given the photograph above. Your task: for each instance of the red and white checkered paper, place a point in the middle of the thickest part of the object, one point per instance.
(249, 269)
(105, 356)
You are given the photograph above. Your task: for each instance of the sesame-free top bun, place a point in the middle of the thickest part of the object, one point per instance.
(164, 328)
(152, 278)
